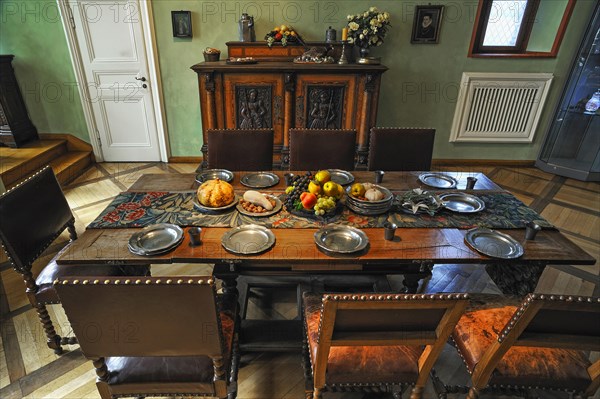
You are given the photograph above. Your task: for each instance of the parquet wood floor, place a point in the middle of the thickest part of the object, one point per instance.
(28, 369)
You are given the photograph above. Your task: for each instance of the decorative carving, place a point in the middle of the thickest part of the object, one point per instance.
(209, 82)
(285, 158)
(300, 111)
(289, 80)
(324, 107)
(370, 83)
(253, 107)
(277, 108)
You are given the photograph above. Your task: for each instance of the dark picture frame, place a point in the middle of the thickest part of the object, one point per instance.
(182, 23)
(426, 25)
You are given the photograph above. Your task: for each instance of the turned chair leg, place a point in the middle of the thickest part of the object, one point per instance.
(473, 393)
(417, 393)
(317, 394)
(53, 339)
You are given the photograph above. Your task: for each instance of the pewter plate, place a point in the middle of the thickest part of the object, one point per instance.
(155, 239)
(462, 203)
(203, 208)
(387, 197)
(260, 180)
(248, 239)
(212, 174)
(276, 208)
(438, 180)
(493, 243)
(341, 177)
(341, 239)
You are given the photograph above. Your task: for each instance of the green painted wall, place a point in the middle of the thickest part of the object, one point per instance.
(420, 88)
(33, 32)
(547, 21)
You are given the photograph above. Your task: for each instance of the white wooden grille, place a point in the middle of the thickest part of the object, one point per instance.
(499, 107)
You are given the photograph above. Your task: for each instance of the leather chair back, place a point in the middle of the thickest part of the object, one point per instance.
(238, 149)
(314, 149)
(401, 149)
(143, 317)
(32, 215)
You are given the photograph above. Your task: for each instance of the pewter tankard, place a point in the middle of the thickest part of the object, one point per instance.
(246, 27)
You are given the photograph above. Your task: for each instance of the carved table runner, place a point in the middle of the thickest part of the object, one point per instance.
(138, 209)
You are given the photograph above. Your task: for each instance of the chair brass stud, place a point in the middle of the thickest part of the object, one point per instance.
(85, 282)
(336, 298)
(180, 281)
(389, 298)
(355, 297)
(190, 281)
(65, 282)
(551, 297)
(148, 281)
(106, 281)
(138, 281)
(127, 281)
(96, 281)
(56, 281)
(562, 298)
(169, 281)
(200, 281)
(209, 281)
(541, 296)
(158, 281)
(363, 297)
(381, 297)
(117, 282)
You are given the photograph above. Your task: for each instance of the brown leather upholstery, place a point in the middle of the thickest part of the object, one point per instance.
(529, 366)
(400, 149)
(172, 332)
(361, 363)
(237, 149)
(33, 215)
(314, 149)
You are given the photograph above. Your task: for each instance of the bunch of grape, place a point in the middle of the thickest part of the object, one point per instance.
(324, 204)
(299, 185)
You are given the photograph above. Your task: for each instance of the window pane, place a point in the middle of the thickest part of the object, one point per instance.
(504, 22)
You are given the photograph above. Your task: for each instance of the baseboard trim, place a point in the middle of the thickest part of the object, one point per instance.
(185, 159)
(73, 143)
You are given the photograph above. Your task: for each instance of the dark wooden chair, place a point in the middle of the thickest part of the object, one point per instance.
(402, 149)
(32, 216)
(378, 343)
(538, 344)
(154, 336)
(314, 149)
(239, 149)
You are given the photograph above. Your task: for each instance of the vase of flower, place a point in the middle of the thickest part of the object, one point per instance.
(366, 30)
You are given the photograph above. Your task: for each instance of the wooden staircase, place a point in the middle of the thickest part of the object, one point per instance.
(69, 158)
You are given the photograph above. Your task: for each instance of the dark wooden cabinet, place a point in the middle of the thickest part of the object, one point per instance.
(283, 95)
(15, 126)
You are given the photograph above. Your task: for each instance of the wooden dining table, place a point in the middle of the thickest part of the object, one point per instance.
(412, 253)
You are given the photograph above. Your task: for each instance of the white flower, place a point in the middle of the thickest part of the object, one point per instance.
(374, 39)
(386, 16)
(353, 26)
(380, 17)
(379, 43)
(374, 29)
(365, 31)
(373, 9)
(350, 40)
(418, 191)
(366, 14)
(361, 36)
(349, 17)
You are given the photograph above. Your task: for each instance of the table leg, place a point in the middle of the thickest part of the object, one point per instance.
(228, 274)
(414, 274)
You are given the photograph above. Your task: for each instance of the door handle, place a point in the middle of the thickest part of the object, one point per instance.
(143, 79)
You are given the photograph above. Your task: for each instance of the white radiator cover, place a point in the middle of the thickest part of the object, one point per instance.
(499, 107)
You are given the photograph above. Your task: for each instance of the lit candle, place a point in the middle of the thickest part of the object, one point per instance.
(344, 34)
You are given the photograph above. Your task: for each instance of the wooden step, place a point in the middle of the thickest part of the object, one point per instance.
(18, 163)
(71, 165)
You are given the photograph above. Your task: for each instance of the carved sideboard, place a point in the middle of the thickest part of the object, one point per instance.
(284, 95)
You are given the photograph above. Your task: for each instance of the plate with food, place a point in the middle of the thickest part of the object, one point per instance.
(257, 204)
(368, 199)
(215, 196)
(241, 60)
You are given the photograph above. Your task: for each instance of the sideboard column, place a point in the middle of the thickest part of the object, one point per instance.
(290, 82)
(211, 114)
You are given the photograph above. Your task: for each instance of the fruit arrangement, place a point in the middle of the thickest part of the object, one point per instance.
(283, 34)
(316, 193)
(366, 192)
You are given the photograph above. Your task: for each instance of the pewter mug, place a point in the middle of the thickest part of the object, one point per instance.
(246, 28)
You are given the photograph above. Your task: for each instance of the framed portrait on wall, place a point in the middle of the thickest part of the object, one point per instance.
(182, 23)
(427, 23)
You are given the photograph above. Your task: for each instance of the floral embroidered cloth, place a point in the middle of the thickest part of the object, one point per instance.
(129, 209)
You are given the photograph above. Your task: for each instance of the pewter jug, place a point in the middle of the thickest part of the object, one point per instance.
(246, 27)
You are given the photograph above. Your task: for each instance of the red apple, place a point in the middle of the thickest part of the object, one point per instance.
(309, 200)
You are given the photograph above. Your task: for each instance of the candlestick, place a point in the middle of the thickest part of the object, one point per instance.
(343, 60)
(344, 34)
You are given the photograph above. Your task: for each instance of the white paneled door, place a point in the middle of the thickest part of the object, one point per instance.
(113, 55)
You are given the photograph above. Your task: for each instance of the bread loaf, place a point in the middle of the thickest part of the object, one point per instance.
(215, 193)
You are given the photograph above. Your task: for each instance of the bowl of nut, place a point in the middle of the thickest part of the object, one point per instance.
(258, 204)
(211, 54)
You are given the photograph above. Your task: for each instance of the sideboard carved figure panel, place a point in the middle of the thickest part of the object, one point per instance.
(254, 108)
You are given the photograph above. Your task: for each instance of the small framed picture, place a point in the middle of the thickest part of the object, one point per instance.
(427, 23)
(182, 23)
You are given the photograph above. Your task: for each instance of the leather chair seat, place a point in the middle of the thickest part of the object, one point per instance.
(194, 374)
(523, 366)
(47, 294)
(392, 364)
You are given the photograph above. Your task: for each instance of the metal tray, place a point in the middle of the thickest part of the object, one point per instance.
(248, 239)
(276, 208)
(205, 209)
(260, 179)
(493, 243)
(341, 176)
(341, 239)
(438, 180)
(155, 239)
(212, 174)
(462, 203)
